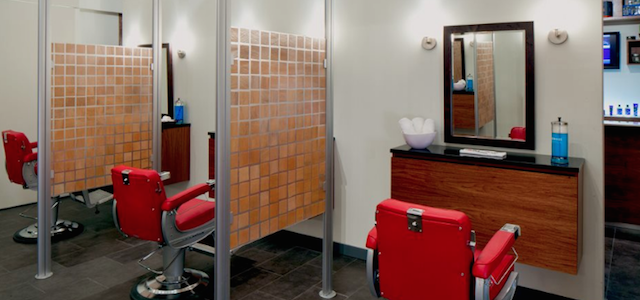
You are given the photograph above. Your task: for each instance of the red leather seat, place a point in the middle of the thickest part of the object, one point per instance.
(19, 151)
(142, 210)
(420, 252)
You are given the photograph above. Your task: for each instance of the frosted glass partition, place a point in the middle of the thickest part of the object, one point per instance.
(277, 132)
(101, 113)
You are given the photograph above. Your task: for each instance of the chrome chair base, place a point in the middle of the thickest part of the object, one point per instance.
(157, 287)
(63, 229)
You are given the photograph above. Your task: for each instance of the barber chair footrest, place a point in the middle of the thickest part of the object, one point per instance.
(63, 229)
(191, 286)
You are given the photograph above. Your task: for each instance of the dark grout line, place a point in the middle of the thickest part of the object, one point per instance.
(608, 276)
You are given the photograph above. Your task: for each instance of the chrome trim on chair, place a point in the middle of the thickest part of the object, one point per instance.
(177, 238)
(372, 273)
(509, 289)
(515, 229)
(482, 289)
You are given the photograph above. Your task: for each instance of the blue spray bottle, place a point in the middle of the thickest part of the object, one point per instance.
(560, 142)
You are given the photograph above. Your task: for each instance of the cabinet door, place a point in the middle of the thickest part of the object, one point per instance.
(176, 153)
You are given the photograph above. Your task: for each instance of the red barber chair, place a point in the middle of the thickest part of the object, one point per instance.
(419, 252)
(22, 168)
(141, 209)
(518, 133)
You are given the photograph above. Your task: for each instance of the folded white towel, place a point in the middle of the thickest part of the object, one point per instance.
(460, 85)
(406, 125)
(429, 126)
(417, 124)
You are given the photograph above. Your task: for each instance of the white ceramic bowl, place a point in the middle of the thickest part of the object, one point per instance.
(419, 140)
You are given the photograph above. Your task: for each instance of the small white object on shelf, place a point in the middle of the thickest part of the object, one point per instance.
(418, 133)
(483, 153)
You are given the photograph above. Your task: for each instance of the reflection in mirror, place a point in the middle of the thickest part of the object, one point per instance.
(490, 94)
(166, 77)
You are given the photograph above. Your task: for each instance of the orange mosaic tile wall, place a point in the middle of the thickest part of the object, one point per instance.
(101, 113)
(277, 132)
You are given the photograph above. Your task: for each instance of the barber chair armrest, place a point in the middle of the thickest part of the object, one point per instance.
(30, 157)
(372, 239)
(496, 249)
(186, 195)
(33, 145)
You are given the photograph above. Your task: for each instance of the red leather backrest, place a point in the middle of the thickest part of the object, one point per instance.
(138, 202)
(432, 264)
(518, 133)
(16, 147)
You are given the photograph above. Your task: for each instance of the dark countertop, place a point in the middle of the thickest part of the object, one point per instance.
(465, 92)
(212, 134)
(169, 125)
(514, 160)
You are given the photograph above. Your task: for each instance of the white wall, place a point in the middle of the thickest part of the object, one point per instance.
(189, 26)
(18, 74)
(621, 85)
(382, 74)
(304, 17)
(509, 60)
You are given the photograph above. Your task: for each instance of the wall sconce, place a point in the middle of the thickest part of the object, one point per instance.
(558, 36)
(428, 43)
(181, 53)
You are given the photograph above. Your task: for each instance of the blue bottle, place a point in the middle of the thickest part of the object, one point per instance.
(611, 110)
(469, 83)
(619, 110)
(560, 142)
(178, 111)
(635, 109)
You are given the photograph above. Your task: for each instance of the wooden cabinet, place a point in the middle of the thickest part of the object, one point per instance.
(464, 112)
(622, 173)
(176, 151)
(545, 200)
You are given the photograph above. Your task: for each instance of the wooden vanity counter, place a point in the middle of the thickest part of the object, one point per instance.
(543, 198)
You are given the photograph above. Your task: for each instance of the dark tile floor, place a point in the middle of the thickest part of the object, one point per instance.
(622, 263)
(101, 264)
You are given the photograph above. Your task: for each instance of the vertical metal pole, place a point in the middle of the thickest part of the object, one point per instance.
(156, 147)
(327, 291)
(223, 155)
(44, 135)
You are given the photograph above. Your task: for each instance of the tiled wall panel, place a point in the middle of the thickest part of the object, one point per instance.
(485, 82)
(101, 113)
(277, 132)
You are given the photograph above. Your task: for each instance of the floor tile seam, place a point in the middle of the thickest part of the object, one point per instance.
(300, 266)
(270, 259)
(98, 283)
(247, 295)
(35, 287)
(608, 276)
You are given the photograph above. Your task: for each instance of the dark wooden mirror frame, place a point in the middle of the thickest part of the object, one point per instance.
(169, 66)
(529, 143)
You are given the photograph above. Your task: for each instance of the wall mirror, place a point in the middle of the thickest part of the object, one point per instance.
(166, 80)
(489, 85)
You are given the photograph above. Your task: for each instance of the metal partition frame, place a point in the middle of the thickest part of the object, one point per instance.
(44, 136)
(327, 291)
(156, 140)
(223, 153)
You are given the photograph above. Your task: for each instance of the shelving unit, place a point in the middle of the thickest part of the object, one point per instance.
(633, 46)
(621, 20)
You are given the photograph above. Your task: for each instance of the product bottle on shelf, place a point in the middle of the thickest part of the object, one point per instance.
(619, 110)
(627, 110)
(178, 111)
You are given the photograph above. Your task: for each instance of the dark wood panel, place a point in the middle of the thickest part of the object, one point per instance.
(176, 153)
(622, 174)
(546, 206)
(464, 115)
(212, 162)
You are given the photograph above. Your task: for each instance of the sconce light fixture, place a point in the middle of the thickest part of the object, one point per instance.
(181, 53)
(558, 36)
(428, 43)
